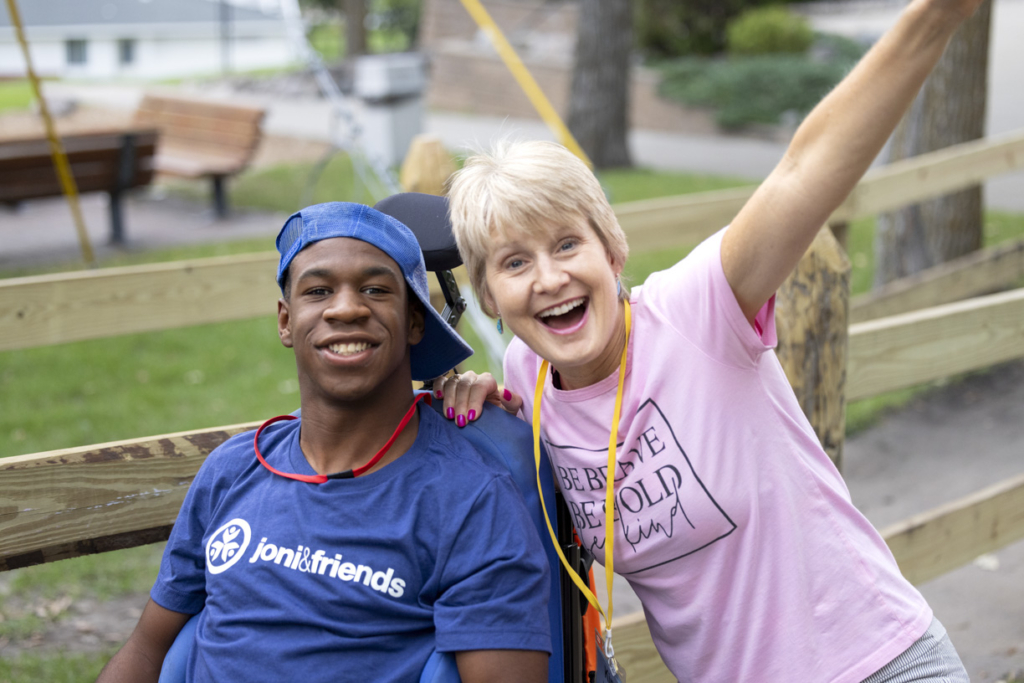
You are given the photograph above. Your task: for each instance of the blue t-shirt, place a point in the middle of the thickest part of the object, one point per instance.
(353, 579)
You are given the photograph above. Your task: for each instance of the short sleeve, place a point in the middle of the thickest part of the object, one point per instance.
(520, 367)
(181, 584)
(494, 582)
(696, 300)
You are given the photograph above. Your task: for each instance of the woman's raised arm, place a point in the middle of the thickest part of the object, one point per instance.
(832, 149)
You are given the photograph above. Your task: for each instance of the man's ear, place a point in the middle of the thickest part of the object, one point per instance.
(417, 321)
(284, 319)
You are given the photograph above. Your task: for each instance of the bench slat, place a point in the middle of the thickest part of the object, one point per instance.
(77, 501)
(201, 138)
(27, 172)
(240, 133)
(202, 108)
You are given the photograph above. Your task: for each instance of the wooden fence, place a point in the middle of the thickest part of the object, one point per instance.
(78, 501)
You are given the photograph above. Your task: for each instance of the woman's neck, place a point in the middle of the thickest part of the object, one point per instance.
(604, 365)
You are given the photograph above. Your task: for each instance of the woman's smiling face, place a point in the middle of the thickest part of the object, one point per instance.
(556, 291)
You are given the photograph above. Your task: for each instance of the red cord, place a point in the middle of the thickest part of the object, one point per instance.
(321, 478)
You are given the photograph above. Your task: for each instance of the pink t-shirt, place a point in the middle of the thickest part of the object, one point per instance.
(732, 525)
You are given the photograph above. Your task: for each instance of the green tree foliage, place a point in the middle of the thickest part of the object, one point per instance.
(766, 30)
(401, 17)
(673, 28)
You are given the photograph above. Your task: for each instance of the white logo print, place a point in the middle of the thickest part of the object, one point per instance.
(227, 544)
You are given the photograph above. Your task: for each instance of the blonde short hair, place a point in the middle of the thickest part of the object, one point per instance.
(526, 186)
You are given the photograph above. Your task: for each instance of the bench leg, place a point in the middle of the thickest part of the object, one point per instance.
(116, 219)
(220, 197)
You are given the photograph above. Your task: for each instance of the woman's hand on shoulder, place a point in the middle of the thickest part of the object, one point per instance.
(465, 394)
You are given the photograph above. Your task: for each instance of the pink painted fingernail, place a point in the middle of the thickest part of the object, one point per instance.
(438, 394)
(450, 413)
(507, 394)
(461, 420)
(472, 415)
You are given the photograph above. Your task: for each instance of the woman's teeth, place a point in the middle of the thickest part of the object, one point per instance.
(563, 309)
(349, 349)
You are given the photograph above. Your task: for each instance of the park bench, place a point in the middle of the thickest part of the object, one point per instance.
(202, 139)
(111, 162)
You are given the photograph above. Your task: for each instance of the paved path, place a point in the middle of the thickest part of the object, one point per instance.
(42, 231)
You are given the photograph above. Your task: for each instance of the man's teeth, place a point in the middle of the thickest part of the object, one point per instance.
(349, 349)
(563, 309)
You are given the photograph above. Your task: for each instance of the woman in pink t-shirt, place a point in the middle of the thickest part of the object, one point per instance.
(730, 522)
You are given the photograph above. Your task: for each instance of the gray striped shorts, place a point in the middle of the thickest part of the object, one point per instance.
(932, 659)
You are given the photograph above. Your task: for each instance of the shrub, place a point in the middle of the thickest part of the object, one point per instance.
(665, 29)
(745, 90)
(767, 30)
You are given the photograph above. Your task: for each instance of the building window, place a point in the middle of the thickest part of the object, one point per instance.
(76, 51)
(126, 51)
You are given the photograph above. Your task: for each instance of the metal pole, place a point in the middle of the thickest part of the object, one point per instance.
(225, 37)
(60, 159)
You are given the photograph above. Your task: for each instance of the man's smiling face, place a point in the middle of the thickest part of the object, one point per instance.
(347, 314)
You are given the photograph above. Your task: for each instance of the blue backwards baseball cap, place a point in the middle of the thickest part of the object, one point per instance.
(441, 348)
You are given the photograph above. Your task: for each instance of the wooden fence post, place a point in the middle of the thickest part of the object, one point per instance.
(812, 322)
(427, 166)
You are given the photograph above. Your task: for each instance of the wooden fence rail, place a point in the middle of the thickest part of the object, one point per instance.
(688, 219)
(932, 543)
(913, 348)
(53, 309)
(78, 501)
(980, 272)
(68, 307)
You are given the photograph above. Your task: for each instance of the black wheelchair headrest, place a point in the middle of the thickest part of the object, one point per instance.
(427, 216)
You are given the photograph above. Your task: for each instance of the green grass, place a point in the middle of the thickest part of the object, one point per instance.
(144, 384)
(636, 184)
(15, 95)
(286, 188)
(60, 668)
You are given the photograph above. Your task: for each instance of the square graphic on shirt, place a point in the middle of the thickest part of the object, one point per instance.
(662, 508)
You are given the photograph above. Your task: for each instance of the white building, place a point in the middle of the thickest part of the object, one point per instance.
(142, 39)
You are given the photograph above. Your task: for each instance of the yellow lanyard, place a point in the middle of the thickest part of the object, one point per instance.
(609, 499)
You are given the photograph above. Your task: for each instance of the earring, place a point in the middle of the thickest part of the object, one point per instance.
(501, 329)
(618, 287)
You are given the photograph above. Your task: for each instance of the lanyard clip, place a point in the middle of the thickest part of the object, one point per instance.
(609, 651)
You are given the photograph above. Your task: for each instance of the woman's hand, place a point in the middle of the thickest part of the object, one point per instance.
(464, 396)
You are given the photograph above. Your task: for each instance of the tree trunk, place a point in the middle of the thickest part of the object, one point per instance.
(950, 109)
(599, 102)
(355, 27)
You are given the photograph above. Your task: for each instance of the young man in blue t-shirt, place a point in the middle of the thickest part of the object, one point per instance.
(348, 544)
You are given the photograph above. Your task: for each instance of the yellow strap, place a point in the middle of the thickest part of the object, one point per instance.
(60, 159)
(609, 516)
(523, 77)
